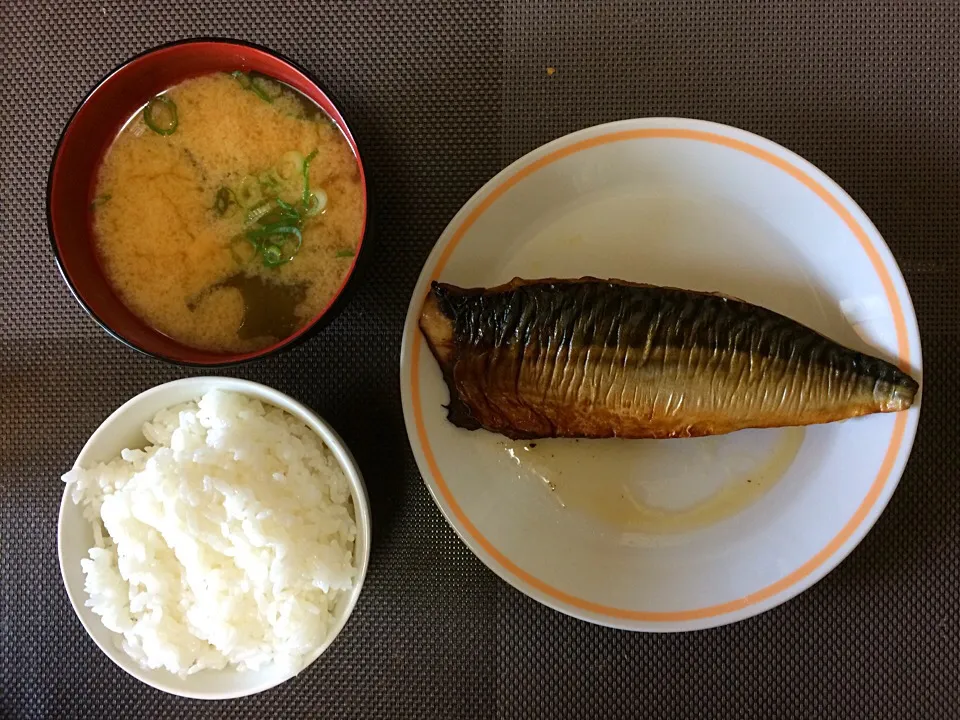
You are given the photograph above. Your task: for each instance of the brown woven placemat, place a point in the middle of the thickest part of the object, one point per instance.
(442, 96)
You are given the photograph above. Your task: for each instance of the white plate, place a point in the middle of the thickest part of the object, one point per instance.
(678, 534)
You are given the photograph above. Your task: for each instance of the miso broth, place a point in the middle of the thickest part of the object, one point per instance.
(228, 212)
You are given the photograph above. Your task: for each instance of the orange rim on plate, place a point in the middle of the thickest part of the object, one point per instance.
(889, 459)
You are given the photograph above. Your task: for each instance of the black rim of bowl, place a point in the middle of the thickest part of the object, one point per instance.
(339, 301)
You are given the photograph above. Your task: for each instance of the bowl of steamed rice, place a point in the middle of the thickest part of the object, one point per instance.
(213, 537)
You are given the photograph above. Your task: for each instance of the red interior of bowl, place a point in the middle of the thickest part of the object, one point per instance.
(87, 138)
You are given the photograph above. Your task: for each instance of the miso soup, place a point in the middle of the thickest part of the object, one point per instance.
(228, 211)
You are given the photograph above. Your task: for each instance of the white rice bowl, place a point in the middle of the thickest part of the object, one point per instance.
(226, 542)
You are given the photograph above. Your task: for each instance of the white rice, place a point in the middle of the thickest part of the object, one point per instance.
(226, 542)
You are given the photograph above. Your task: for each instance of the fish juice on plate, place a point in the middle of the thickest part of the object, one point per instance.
(228, 211)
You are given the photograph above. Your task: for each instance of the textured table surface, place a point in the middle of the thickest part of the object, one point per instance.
(441, 96)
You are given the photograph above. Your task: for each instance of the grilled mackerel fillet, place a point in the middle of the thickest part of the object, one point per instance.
(605, 358)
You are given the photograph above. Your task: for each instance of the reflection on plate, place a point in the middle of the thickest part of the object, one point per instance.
(654, 487)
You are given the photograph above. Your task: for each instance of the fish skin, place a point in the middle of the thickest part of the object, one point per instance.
(605, 358)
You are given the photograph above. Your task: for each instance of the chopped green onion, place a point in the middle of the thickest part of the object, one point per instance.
(305, 199)
(316, 204)
(290, 166)
(248, 192)
(286, 211)
(242, 78)
(274, 212)
(243, 249)
(266, 89)
(273, 229)
(160, 115)
(224, 200)
(269, 182)
(345, 253)
(274, 224)
(278, 243)
(272, 256)
(291, 246)
(258, 212)
(289, 176)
